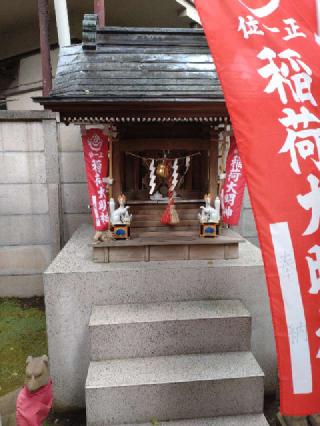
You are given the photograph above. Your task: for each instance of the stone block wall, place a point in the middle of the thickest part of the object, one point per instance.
(29, 222)
(74, 193)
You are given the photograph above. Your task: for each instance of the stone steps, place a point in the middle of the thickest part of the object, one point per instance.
(245, 420)
(173, 387)
(74, 285)
(156, 329)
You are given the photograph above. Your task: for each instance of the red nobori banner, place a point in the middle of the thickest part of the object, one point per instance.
(233, 188)
(95, 150)
(268, 62)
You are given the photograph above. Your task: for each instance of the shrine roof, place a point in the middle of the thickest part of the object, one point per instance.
(116, 65)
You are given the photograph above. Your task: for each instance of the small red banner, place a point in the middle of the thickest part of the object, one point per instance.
(95, 150)
(233, 188)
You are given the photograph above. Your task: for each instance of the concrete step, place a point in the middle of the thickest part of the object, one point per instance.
(176, 387)
(246, 420)
(156, 329)
(74, 284)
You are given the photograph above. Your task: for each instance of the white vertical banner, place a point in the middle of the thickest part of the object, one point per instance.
(293, 308)
(318, 16)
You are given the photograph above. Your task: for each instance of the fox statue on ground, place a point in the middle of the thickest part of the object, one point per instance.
(30, 405)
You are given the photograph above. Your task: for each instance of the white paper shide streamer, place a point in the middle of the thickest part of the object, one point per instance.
(175, 175)
(152, 177)
(188, 162)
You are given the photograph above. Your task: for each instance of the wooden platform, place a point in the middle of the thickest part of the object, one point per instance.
(160, 246)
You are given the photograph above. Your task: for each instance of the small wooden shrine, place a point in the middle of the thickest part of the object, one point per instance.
(160, 91)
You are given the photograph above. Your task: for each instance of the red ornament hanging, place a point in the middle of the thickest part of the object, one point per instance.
(170, 215)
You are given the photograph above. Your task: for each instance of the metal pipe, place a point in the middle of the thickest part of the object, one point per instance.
(62, 20)
(99, 10)
(45, 47)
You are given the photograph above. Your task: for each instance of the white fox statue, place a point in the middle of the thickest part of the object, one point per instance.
(209, 214)
(119, 216)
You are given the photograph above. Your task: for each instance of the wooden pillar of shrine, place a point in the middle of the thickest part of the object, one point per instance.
(213, 163)
(99, 10)
(116, 161)
(45, 47)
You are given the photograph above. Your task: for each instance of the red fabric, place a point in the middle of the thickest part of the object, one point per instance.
(95, 151)
(166, 216)
(33, 407)
(269, 65)
(233, 188)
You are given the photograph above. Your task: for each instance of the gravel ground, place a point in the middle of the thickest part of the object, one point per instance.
(271, 408)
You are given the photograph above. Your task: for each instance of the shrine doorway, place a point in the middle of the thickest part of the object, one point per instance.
(195, 147)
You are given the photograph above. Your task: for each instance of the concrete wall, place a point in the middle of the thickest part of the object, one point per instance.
(43, 196)
(247, 226)
(29, 201)
(28, 83)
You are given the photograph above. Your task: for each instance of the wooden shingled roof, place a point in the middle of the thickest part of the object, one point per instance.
(136, 66)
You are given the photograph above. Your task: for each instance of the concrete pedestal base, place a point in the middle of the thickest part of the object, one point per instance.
(74, 284)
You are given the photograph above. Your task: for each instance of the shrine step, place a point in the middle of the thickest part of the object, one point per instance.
(173, 387)
(145, 223)
(183, 214)
(155, 329)
(166, 248)
(146, 233)
(246, 420)
(184, 230)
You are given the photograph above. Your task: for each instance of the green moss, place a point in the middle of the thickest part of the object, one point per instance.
(22, 333)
